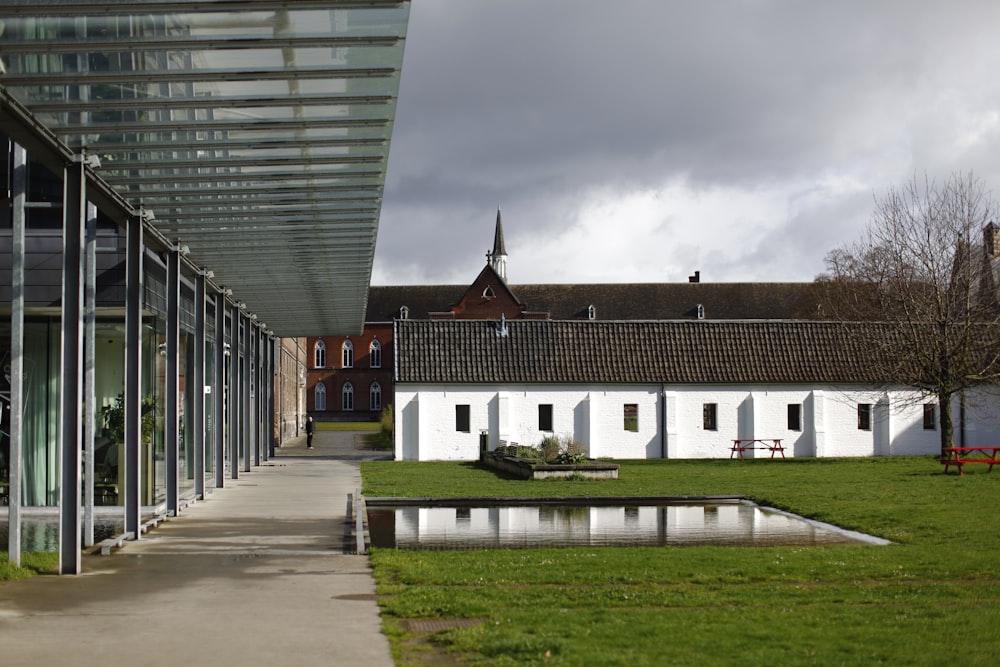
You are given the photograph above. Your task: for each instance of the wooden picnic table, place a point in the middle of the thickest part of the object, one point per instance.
(960, 456)
(741, 445)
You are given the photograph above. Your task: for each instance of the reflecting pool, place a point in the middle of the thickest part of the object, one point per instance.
(737, 523)
(43, 535)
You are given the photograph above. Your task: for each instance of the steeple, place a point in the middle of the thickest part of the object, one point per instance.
(498, 256)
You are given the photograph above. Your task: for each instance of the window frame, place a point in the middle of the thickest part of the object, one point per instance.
(319, 354)
(930, 417)
(375, 354)
(347, 354)
(545, 421)
(319, 397)
(347, 397)
(463, 418)
(375, 397)
(864, 416)
(630, 417)
(710, 416)
(794, 422)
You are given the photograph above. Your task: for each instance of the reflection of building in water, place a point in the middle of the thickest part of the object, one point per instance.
(559, 526)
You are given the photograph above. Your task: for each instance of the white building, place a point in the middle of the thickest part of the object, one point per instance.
(663, 389)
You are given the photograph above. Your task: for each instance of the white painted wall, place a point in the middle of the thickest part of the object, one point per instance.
(594, 416)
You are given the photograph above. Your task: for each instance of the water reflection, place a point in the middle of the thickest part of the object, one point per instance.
(44, 535)
(728, 524)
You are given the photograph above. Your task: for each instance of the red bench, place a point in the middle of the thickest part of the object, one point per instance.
(742, 445)
(959, 456)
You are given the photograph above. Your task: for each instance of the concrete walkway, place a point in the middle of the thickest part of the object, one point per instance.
(255, 575)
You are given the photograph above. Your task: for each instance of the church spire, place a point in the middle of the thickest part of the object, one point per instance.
(498, 256)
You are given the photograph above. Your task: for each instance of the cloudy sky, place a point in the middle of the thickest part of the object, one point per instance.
(642, 140)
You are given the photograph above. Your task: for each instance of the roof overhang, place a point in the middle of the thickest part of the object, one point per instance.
(256, 132)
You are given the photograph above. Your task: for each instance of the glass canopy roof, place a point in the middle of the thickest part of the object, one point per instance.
(257, 132)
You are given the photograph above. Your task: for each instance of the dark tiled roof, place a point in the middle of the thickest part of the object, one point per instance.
(546, 351)
(629, 301)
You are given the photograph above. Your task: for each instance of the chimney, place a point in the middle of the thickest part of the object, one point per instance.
(696, 278)
(991, 240)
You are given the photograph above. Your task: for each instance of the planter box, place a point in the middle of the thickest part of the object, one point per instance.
(525, 469)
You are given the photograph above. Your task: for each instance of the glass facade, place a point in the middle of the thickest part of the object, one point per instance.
(233, 125)
(247, 143)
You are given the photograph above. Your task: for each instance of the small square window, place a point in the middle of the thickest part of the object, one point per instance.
(462, 420)
(930, 418)
(545, 417)
(632, 417)
(794, 417)
(709, 416)
(864, 416)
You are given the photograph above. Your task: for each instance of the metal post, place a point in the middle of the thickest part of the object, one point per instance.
(71, 368)
(271, 423)
(221, 384)
(235, 389)
(197, 385)
(19, 183)
(253, 430)
(132, 451)
(171, 415)
(245, 438)
(89, 407)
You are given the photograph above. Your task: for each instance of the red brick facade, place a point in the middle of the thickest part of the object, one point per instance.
(367, 375)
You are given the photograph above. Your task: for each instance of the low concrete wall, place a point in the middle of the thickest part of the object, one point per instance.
(532, 470)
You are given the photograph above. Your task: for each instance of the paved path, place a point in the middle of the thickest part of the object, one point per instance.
(255, 575)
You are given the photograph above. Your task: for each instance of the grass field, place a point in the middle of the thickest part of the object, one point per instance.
(347, 426)
(932, 598)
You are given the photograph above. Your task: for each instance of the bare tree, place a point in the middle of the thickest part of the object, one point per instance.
(920, 270)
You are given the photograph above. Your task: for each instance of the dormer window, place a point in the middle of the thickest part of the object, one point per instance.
(591, 312)
(488, 293)
(701, 312)
(404, 312)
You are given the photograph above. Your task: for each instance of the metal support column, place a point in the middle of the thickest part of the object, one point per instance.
(197, 385)
(89, 406)
(235, 400)
(171, 416)
(255, 416)
(71, 365)
(19, 183)
(221, 420)
(271, 422)
(245, 399)
(132, 452)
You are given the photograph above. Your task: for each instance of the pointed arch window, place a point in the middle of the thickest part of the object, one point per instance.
(375, 354)
(375, 397)
(319, 354)
(319, 396)
(347, 354)
(347, 397)
(591, 312)
(404, 312)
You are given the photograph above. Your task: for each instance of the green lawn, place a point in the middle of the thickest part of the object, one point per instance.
(932, 598)
(347, 426)
(31, 564)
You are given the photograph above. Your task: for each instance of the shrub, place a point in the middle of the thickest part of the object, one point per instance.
(562, 449)
(550, 448)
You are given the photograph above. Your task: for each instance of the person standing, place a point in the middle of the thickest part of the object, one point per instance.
(310, 429)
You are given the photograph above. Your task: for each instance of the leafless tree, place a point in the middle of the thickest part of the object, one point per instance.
(921, 270)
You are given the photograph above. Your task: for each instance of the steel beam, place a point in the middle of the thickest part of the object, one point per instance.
(19, 183)
(132, 454)
(71, 365)
(171, 414)
(196, 384)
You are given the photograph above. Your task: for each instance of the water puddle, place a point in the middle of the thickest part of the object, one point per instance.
(43, 535)
(733, 523)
